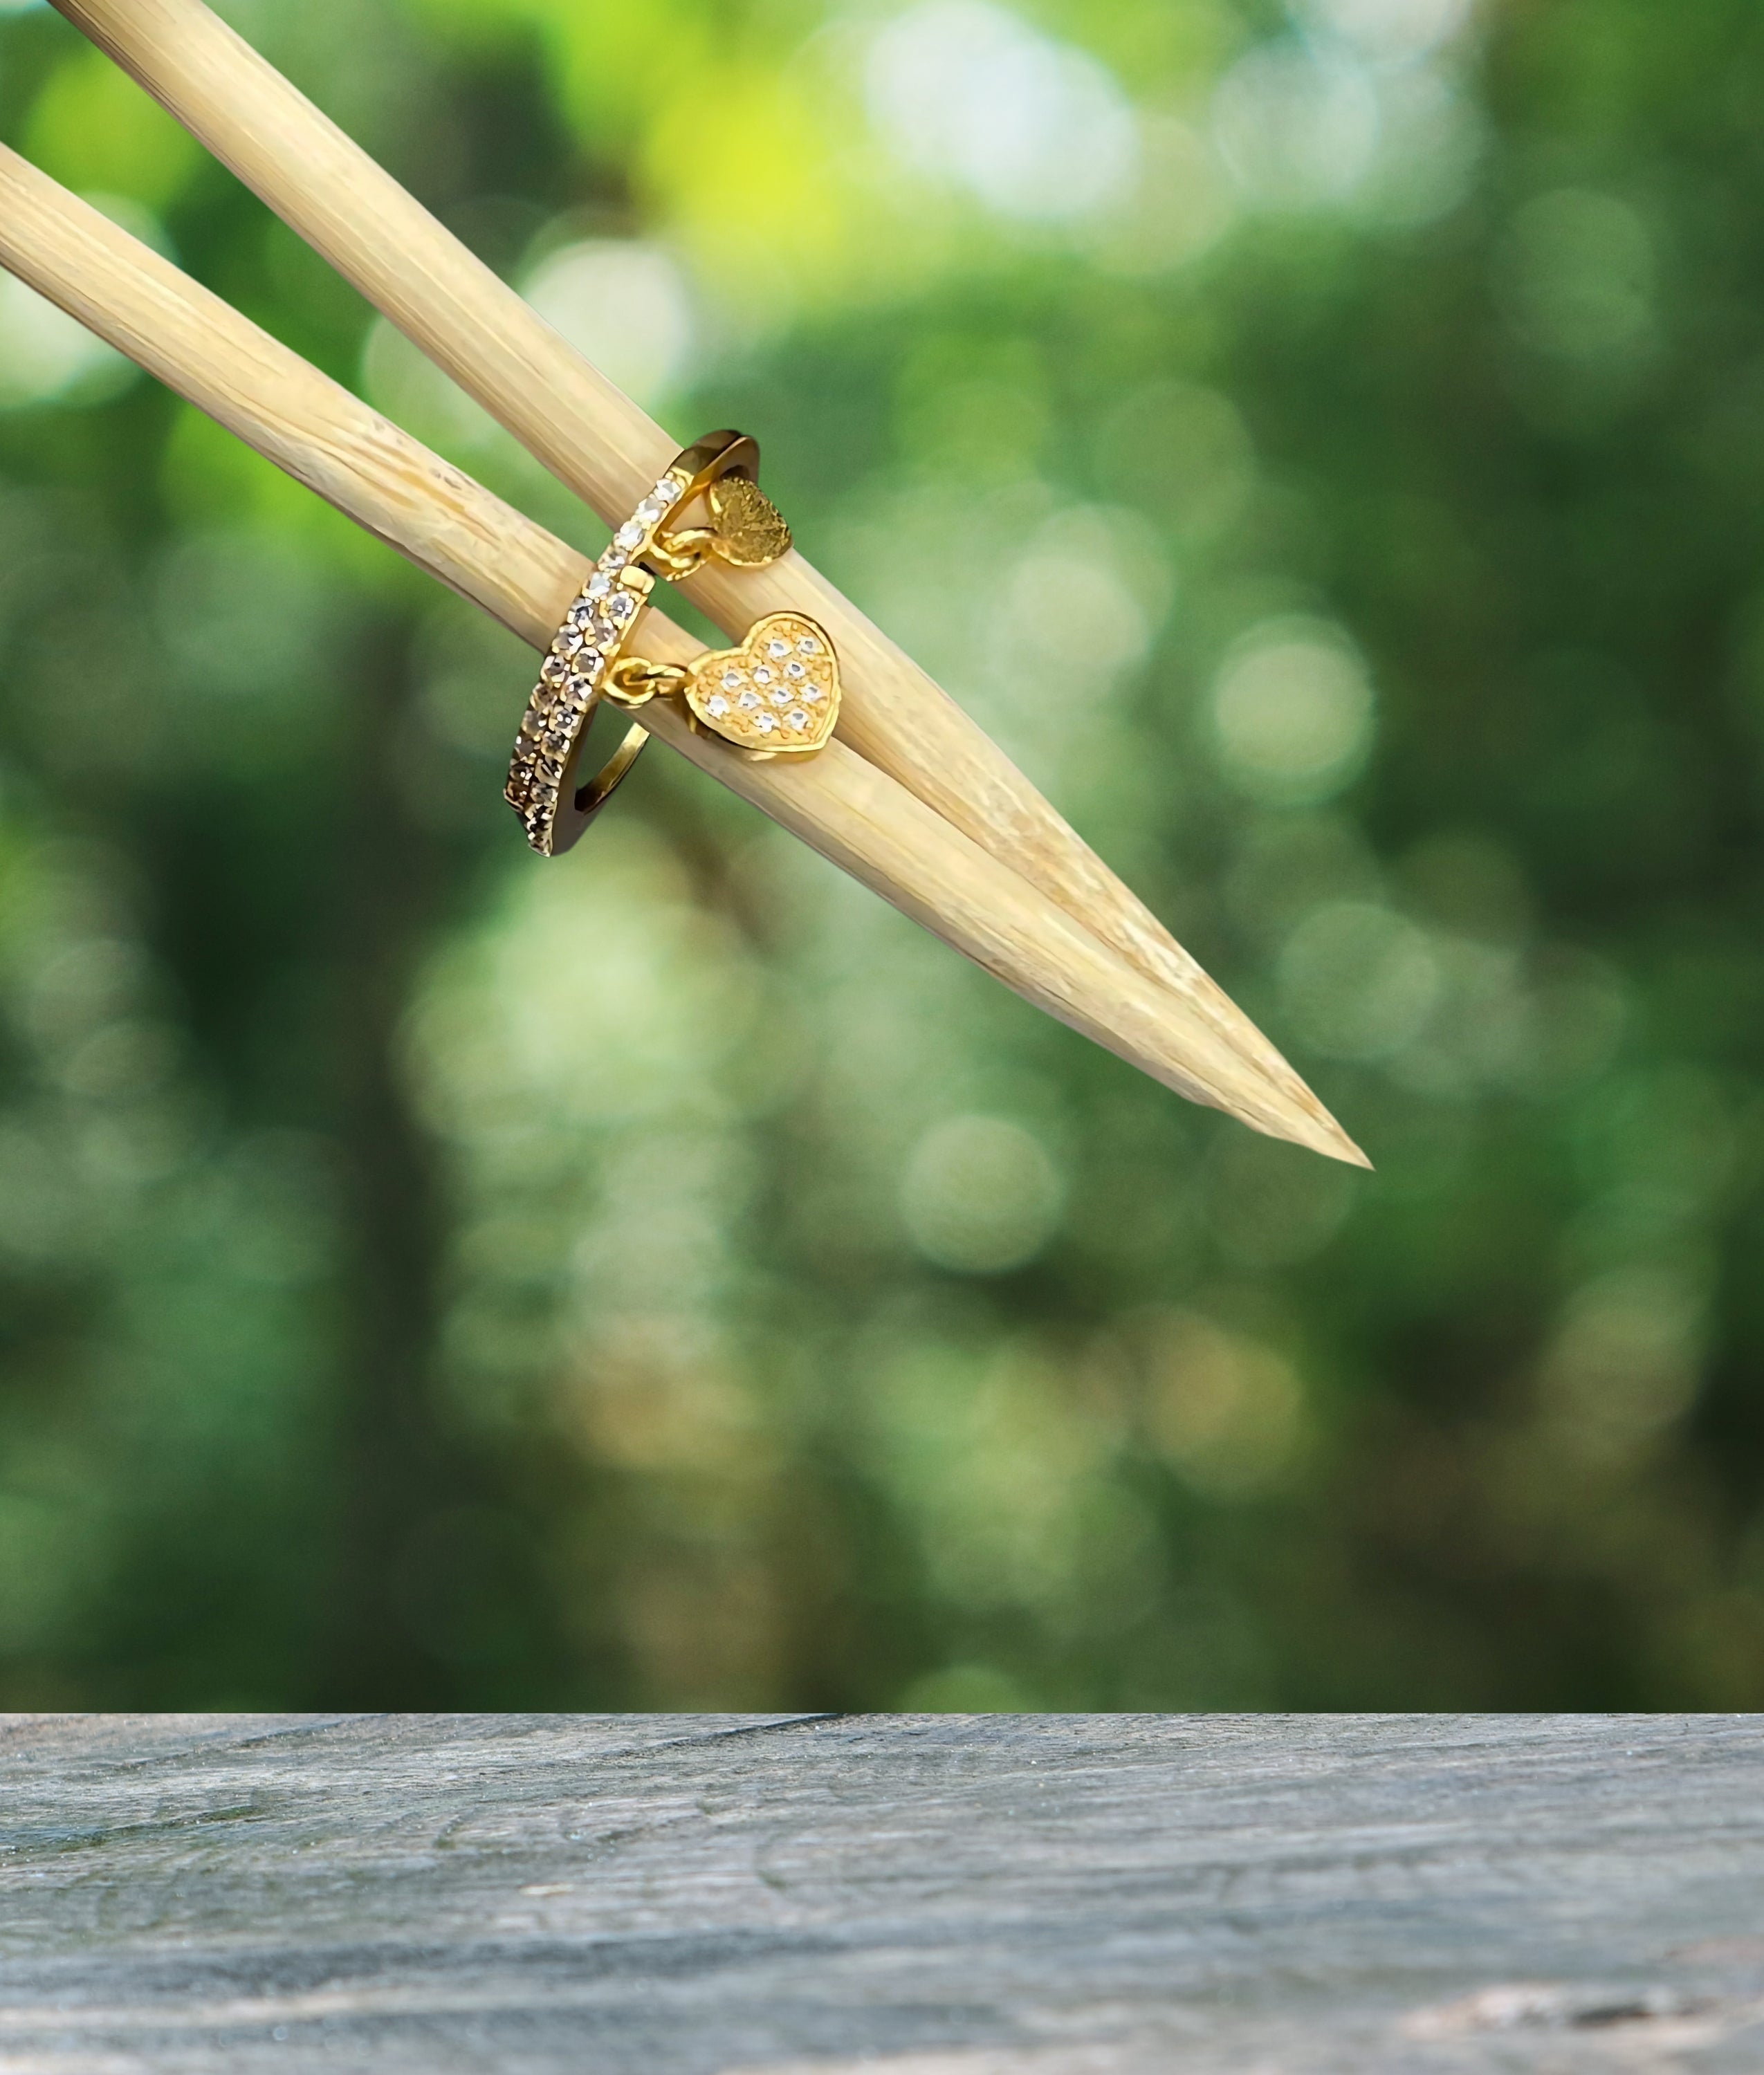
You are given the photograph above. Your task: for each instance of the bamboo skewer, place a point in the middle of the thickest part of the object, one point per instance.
(599, 443)
(842, 805)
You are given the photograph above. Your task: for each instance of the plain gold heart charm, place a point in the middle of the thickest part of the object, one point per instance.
(750, 531)
(777, 695)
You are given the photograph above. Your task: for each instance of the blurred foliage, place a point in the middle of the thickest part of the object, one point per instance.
(666, 1278)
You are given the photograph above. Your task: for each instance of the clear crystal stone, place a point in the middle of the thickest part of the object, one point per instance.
(749, 700)
(622, 607)
(716, 704)
(599, 584)
(808, 645)
(628, 535)
(733, 680)
(553, 669)
(665, 491)
(774, 647)
(589, 660)
(781, 698)
(649, 511)
(765, 722)
(762, 676)
(812, 693)
(795, 669)
(581, 612)
(568, 641)
(797, 718)
(614, 558)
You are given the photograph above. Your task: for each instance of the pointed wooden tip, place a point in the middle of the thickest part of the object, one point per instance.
(1282, 1106)
(1285, 1108)
(1259, 1085)
(1321, 1133)
(1192, 1054)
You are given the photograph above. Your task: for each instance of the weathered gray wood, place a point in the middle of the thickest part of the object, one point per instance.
(929, 1895)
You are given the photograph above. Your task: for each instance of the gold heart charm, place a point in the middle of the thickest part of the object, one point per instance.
(777, 695)
(750, 528)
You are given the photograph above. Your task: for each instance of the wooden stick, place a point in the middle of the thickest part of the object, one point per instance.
(594, 438)
(841, 805)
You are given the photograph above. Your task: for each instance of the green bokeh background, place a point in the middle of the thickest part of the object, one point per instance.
(1326, 446)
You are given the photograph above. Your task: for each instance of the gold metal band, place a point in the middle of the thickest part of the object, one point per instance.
(776, 694)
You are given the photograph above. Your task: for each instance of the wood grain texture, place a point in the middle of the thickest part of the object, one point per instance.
(909, 1895)
(597, 441)
(841, 805)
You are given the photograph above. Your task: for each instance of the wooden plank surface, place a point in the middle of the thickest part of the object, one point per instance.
(909, 1895)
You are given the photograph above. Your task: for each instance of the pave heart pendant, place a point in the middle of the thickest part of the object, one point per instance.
(777, 695)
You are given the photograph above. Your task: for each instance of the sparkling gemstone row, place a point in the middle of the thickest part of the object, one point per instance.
(570, 677)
